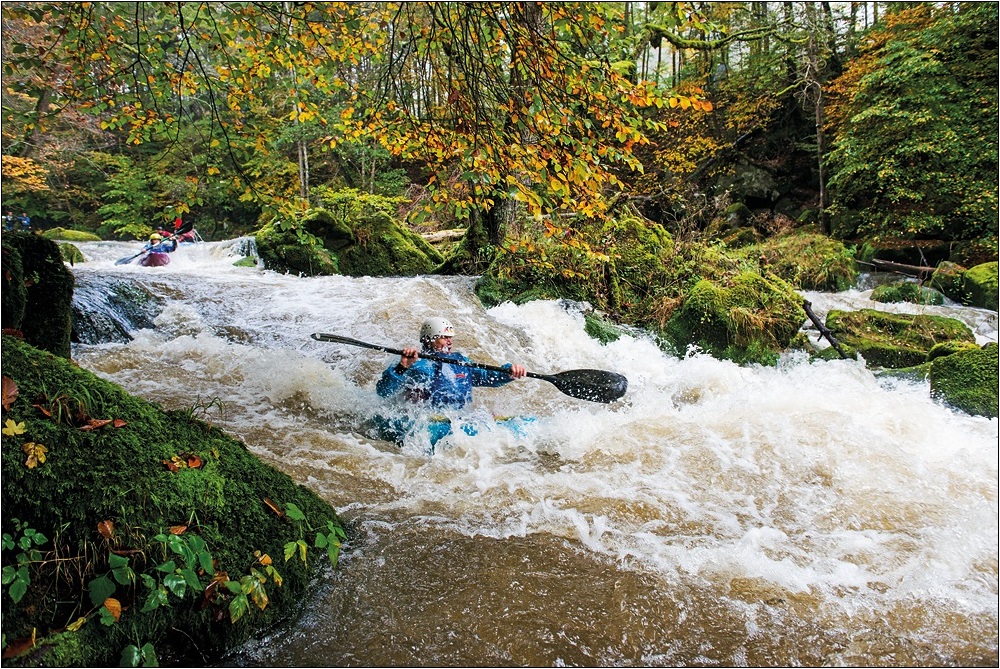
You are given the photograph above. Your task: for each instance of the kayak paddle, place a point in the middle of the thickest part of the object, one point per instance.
(186, 227)
(586, 384)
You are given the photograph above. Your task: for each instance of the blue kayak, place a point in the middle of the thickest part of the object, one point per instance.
(399, 427)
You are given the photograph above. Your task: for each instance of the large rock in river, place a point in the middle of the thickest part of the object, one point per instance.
(132, 526)
(967, 380)
(894, 340)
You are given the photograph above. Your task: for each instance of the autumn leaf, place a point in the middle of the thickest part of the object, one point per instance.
(106, 528)
(172, 466)
(36, 454)
(12, 429)
(274, 507)
(193, 461)
(114, 607)
(94, 424)
(9, 392)
(178, 529)
(118, 423)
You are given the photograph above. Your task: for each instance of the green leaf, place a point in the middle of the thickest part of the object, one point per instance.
(205, 560)
(17, 590)
(130, 656)
(117, 561)
(238, 607)
(100, 589)
(191, 579)
(294, 512)
(148, 654)
(167, 567)
(176, 584)
(289, 550)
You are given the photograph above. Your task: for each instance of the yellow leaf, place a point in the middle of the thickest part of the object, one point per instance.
(213, 170)
(12, 429)
(36, 454)
(76, 624)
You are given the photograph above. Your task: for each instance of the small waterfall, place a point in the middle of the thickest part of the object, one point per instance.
(106, 309)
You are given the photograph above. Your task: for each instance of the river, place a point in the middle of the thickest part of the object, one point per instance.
(811, 513)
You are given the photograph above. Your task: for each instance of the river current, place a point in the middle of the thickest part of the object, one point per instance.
(812, 513)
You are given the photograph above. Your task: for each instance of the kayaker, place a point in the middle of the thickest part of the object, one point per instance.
(437, 385)
(156, 244)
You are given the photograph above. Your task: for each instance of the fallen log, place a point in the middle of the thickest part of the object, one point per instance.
(443, 235)
(823, 330)
(918, 271)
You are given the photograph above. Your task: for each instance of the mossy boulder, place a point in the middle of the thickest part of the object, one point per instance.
(748, 318)
(968, 380)
(116, 502)
(906, 291)
(620, 267)
(287, 247)
(65, 234)
(975, 287)
(71, 254)
(806, 259)
(981, 286)
(38, 291)
(894, 340)
(385, 247)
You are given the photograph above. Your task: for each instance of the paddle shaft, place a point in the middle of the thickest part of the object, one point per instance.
(322, 336)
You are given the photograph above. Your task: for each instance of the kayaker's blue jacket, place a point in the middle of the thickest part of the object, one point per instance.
(161, 247)
(441, 384)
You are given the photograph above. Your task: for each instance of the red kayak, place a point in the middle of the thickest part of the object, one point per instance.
(154, 259)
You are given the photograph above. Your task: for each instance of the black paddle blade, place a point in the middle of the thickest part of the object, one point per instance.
(595, 385)
(125, 261)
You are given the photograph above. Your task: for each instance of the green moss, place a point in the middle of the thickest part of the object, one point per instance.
(119, 475)
(906, 291)
(949, 278)
(967, 380)
(14, 293)
(601, 329)
(46, 320)
(287, 247)
(894, 340)
(71, 254)
(807, 260)
(981, 284)
(70, 235)
(749, 318)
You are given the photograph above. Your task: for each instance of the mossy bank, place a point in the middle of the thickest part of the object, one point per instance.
(132, 530)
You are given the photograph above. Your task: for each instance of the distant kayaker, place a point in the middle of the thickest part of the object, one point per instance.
(156, 244)
(436, 384)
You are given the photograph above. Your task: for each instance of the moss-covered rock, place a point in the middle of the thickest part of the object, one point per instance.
(906, 291)
(70, 235)
(386, 248)
(805, 259)
(46, 317)
(967, 380)
(981, 285)
(949, 278)
(115, 502)
(71, 254)
(14, 293)
(894, 340)
(287, 247)
(749, 318)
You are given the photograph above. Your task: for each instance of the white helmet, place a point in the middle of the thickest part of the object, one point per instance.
(436, 327)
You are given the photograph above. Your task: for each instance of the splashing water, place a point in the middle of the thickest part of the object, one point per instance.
(809, 513)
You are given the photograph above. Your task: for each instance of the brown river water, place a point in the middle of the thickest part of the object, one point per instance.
(806, 514)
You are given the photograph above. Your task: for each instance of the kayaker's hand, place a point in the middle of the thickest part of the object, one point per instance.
(517, 371)
(410, 355)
